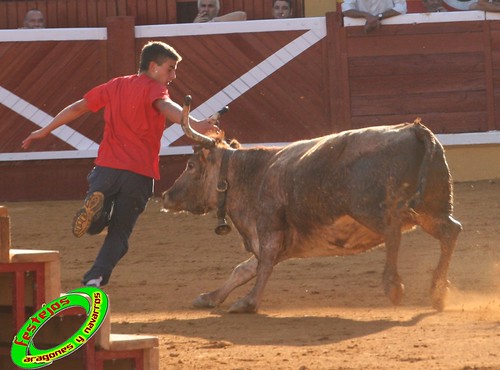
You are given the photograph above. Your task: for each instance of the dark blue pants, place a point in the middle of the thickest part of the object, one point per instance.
(125, 197)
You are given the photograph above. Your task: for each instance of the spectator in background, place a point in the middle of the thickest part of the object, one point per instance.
(208, 11)
(34, 19)
(486, 5)
(373, 11)
(282, 9)
(434, 6)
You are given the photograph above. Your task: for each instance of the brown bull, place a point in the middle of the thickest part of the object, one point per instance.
(336, 195)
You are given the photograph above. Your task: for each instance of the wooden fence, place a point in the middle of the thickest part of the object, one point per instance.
(283, 81)
(93, 13)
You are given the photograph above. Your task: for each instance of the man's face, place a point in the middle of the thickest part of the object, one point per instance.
(209, 8)
(281, 9)
(34, 19)
(165, 72)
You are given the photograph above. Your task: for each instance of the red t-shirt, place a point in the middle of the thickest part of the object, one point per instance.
(133, 127)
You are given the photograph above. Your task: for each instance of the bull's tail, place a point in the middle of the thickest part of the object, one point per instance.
(429, 140)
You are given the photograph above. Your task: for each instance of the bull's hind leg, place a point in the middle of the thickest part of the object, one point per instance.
(241, 274)
(393, 285)
(446, 230)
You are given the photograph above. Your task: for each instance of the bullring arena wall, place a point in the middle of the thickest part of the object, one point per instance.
(283, 80)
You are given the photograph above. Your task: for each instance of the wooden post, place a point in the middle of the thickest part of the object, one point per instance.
(339, 107)
(121, 53)
(4, 235)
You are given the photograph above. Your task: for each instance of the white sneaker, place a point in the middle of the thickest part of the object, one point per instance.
(96, 283)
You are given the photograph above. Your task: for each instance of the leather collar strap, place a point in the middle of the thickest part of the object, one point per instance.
(223, 227)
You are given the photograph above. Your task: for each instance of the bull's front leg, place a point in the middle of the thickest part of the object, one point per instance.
(268, 253)
(241, 274)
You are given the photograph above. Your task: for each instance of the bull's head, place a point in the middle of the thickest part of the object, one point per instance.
(197, 189)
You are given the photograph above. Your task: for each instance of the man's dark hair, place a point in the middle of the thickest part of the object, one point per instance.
(288, 1)
(158, 52)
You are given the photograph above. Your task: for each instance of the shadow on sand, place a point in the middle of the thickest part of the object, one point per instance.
(266, 330)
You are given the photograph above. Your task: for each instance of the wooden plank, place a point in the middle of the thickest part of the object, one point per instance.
(336, 69)
(92, 16)
(62, 13)
(22, 9)
(154, 12)
(51, 12)
(298, 8)
(127, 342)
(421, 29)
(12, 17)
(121, 6)
(259, 9)
(415, 44)
(72, 12)
(142, 13)
(111, 9)
(82, 11)
(4, 20)
(70, 174)
(102, 13)
(185, 11)
(33, 255)
(417, 83)
(490, 101)
(422, 63)
(5, 236)
(417, 103)
(346, 108)
(132, 9)
(161, 12)
(120, 46)
(171, 12)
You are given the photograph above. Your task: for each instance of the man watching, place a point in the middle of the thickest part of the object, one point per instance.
(374, 11)
(34, 19)
(208, 11)
(282, 9)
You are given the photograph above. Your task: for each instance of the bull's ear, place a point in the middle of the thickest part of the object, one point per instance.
(205, 153)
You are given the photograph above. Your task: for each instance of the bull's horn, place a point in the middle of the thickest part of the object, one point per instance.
(205, 141)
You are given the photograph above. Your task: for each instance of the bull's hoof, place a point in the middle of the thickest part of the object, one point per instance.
(242, 306)
(439, 294)
(204, 301)
(395, 292)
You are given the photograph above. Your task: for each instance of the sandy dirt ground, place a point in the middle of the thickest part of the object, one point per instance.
(321, 313)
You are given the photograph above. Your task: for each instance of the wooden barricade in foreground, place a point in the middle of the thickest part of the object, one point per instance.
(32, 277)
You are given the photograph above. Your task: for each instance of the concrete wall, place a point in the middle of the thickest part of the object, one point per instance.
(318, 8)
(474, 162)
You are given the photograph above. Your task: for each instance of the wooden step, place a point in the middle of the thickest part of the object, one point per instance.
(52, 264)
(33, 255)
(134, 351)
(4, 235)
(142, 350)
(50, 259)
(127, 342)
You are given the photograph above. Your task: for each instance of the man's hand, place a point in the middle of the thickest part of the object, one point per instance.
(206, 126)
(202, 17)
(372, 23)
(35, 135)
